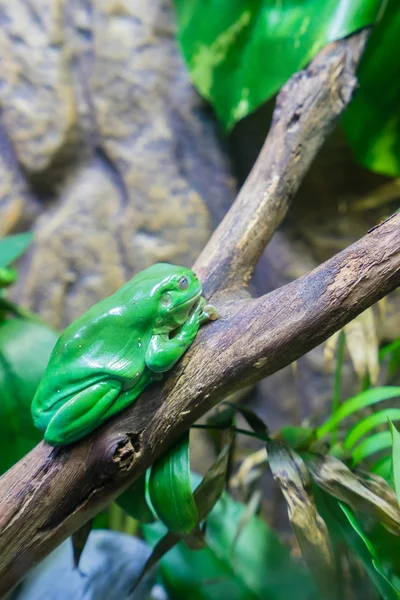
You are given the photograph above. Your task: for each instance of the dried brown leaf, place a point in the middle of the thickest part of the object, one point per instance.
(291, 474)
(368, 495)
(362, 344)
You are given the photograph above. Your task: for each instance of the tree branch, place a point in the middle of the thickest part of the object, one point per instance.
(52, 492)
(307, 109)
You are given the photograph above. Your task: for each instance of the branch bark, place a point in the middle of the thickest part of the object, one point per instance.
(307, 109)
(52, 492)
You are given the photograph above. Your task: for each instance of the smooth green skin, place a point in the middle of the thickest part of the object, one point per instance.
(106, 358)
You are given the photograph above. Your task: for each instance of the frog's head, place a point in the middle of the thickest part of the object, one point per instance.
(176, 291)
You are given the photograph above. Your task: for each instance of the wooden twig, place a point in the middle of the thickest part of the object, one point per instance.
(52, 492)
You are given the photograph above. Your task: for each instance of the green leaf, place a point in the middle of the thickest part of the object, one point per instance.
(251, 566)
(170, 489)
(25, 348)
(240, 52)
(375, 443)
(372, 121)
(8, 276)
(389, 349)
(13, 246)
(345, 528)
(393, 351)
(395, 458)
(205, 496)
(291, 474)
(298, 438)
(375, 558)
(134, 502)
(383, 468)
(367, 398)
(365, 425)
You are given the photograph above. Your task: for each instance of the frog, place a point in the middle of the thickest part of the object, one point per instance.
(105, 359)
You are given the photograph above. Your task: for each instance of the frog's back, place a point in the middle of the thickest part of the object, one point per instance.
(107, 342)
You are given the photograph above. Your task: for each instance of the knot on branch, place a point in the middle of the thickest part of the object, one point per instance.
(127, 450)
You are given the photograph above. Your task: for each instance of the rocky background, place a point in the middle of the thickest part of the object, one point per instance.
(113, 160)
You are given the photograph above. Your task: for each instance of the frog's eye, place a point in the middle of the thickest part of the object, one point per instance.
(166, 299)
(183, 283)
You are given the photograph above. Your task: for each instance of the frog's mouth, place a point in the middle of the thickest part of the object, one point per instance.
(190, 301)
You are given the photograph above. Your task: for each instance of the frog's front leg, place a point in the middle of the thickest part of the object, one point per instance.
(82, 413)
(163, 352)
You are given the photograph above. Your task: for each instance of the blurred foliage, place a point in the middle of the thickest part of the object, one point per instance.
(25, 347)
(12, 247)
(372, 121)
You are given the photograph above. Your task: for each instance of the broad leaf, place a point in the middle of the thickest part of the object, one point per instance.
(240, 52)
(170, 488)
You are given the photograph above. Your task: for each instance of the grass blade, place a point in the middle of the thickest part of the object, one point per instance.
(367, 398)
(364, 426)
(376, 443)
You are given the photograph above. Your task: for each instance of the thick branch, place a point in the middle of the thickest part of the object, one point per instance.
(52, 492)
(307, 109)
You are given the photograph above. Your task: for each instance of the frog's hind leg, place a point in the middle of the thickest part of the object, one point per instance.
(80, 415)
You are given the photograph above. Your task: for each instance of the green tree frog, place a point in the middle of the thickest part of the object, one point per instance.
(105, 359)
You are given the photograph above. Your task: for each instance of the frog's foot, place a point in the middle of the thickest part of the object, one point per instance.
(209, 313)
(85, 411)
(205, 312)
